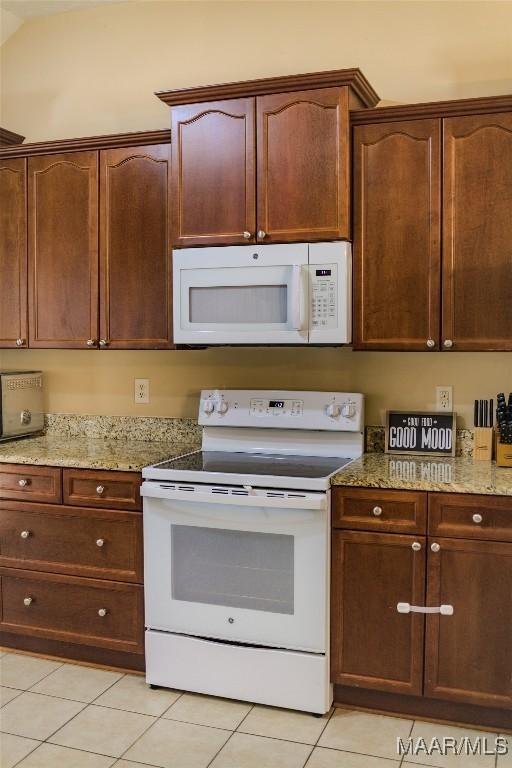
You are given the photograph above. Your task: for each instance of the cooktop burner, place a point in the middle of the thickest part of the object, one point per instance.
(256, 464)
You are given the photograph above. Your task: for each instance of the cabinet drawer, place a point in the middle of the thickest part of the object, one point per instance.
(20, 481)
(379, 510)
(103, 544)
(470, 517)
(84, 611)
(93, 488)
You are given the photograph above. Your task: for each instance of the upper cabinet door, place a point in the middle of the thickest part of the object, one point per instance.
(477, 247)
(213, 173)
(397, 199)
(303, 166)
(13, 254)
(135, 259)
(63, 250)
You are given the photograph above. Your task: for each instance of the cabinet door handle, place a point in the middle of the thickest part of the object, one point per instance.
(444, 610)
(416, 546)
(27, 601)
(261, 234)
(103, 343)
(91, 342)
(102, 612)
(20, 342)
(100, 542)
(435, 547)
(100, 489)
(25, 534)
(431, 343)
(377, 511)
(23, 482)
(247, 235)
(477, 518)
(447, 343)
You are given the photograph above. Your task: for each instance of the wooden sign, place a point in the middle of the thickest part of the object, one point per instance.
(418, 432)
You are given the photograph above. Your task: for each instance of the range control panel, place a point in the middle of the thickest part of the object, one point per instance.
(332, 411)
(324, 299)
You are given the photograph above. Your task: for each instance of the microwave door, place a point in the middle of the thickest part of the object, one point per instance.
(243, 305)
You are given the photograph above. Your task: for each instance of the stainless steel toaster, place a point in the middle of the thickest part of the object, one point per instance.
(21, 403)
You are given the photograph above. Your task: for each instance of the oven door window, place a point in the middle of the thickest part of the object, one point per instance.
(233, 568)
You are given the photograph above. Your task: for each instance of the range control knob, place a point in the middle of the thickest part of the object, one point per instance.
(333, 410)
(348, 410)
(222, 406)
(208, 406)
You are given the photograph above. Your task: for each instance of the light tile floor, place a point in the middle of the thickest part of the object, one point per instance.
(59, 715)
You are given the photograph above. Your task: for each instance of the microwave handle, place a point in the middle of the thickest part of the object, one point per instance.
(297, 299)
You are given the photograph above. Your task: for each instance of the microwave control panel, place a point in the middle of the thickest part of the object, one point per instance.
(323, 294)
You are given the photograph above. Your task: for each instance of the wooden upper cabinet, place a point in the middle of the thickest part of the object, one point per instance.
(135, 258)
(303, 165)
(372, 645)
(213, 159)
(477, 247)
(63, 249)
(13, 254)
(468, 654)
(397, 199)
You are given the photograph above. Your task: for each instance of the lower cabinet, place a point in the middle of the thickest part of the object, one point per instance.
(373, 646)
(459, 654)
(71, 574)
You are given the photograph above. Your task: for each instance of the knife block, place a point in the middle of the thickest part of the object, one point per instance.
(503, 453)
(482, 446)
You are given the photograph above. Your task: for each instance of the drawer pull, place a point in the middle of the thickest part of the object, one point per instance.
(25, 534)
(23, 482)
(477, 518)
(102, 612)
(444, 610)
(377, 511)
(435, 547)
(416, 546)
(100, 542)
(27, 601)
(100, 489)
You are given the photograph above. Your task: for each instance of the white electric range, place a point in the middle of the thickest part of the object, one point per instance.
(237, 547)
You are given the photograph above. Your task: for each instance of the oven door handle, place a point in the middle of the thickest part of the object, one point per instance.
(162, 491)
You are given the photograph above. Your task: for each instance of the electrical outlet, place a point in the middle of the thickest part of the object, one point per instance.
(444, 398)
(142, 390)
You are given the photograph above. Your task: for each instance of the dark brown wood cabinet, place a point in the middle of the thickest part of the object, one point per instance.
(454, 665)
(63, 250)
(397, 233)
(468, 656)
(374, 646)
(13, 253)
(135, 253)
(303, 166)
(213, 173)
(71, 571)
(477, 232)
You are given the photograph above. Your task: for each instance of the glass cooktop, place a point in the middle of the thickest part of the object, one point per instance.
(256, 464)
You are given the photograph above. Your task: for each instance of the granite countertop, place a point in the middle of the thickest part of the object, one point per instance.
(90, 453)
(426, 473)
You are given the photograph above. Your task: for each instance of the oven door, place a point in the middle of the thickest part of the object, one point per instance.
(250, 568)
(241, 295)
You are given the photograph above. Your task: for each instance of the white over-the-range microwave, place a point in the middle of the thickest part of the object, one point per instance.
(298, 293)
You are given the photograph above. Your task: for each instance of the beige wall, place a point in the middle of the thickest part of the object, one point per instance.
(94, 71)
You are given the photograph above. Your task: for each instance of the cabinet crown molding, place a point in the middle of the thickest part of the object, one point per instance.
(353, 78)
(108, 141)
(8, 138)
(452, 108)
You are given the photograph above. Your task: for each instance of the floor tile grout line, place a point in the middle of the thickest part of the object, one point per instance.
(28, 753)
(251, 707)
(19, 693)
(28, 656)
(108, 689)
